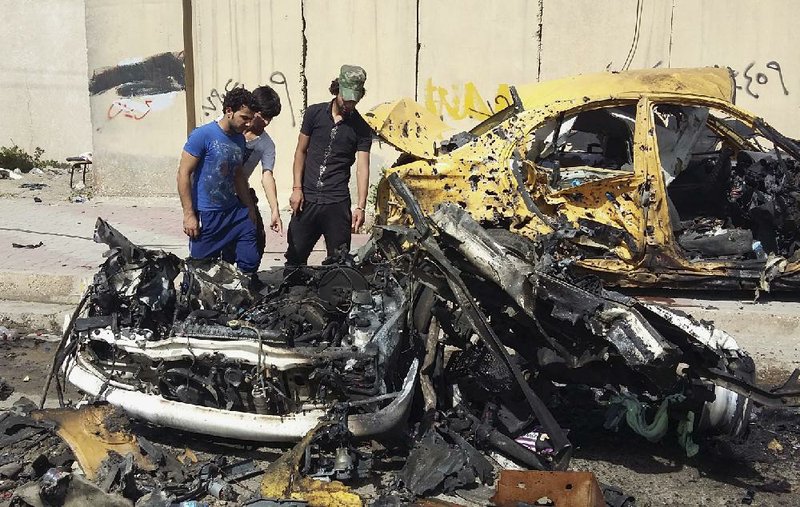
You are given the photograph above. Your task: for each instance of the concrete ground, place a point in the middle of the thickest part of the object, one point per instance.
(768, 329)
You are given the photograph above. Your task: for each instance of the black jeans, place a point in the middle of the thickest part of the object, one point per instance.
(333, 221)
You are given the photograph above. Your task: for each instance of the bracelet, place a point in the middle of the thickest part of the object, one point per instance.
(362, 209)
(297, 188)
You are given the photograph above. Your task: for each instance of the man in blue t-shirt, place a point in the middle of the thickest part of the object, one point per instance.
(218, 214)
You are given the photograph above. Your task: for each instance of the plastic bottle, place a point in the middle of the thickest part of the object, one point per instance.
(758, 249)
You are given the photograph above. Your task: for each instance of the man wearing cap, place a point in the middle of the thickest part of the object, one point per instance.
(333, 136)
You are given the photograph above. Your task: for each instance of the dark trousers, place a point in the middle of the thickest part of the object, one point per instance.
(229, 234)
(333, 221)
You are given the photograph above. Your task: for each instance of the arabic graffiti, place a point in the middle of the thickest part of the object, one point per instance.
(459, 103)
(279, 78)
(215, 98)
(747, 81)
(129, 108)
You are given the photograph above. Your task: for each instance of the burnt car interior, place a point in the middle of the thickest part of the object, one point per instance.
(733, 191)
(587, 146)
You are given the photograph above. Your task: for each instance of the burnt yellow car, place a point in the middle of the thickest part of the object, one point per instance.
(650, 178)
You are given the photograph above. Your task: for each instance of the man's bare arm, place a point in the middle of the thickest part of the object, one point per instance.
(296, 201)
(362, 183)
(186, 167)
(271, 191)
(243, 192)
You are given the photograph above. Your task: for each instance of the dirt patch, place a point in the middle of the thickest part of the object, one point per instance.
(771, 375)
(52, 185)
(29, 358)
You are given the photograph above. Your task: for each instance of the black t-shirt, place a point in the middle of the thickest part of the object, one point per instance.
(331, 152)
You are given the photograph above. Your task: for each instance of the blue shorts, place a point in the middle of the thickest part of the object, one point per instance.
(229, 234)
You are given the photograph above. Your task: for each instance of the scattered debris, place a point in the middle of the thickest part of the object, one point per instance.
(30, 246)
(34, 186)
(7, 334)
(6, 390)
(6, 174)
(775, 446)
(282, 480)
(93, 432)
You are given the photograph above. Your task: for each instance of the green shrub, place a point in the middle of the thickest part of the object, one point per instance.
(14, 157)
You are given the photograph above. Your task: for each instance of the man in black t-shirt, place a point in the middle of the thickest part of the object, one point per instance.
(332, 137)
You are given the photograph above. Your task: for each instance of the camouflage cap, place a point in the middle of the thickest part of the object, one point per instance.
(351, 82)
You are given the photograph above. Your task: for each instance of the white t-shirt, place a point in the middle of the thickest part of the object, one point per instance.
(261, 149)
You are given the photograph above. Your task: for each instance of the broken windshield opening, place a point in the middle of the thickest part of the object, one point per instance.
(749, 185)
(589, 146)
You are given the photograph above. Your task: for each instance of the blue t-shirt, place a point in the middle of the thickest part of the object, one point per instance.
(220, 157)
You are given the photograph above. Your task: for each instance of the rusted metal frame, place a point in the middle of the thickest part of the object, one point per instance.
(524, 487)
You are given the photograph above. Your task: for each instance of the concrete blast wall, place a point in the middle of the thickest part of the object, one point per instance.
(137, 93)
(43, 77)
(456, 57)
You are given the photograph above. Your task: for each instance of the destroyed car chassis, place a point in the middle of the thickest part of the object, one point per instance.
(482, 334)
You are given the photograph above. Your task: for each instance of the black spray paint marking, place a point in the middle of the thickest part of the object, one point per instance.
(760, 78)
(215, 94)
(214, 97)
(162, 73)
(279, 78)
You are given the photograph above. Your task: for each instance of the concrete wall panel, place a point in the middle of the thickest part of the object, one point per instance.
(584, 36)
(378, 36)
(760, 44)
(138, 102)
(250, 43)
(43, 77)
(469, 49)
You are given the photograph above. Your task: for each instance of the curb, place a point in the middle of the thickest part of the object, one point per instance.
(51, 288)
(28, 316)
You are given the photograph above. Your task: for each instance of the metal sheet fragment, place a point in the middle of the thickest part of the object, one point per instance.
(563, 489)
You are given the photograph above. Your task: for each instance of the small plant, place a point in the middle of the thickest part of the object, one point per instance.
(13, 157)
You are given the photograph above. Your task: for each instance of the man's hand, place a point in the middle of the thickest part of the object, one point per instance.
(296, 201)
(358, 219)
(191, 226)
(275, 222)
